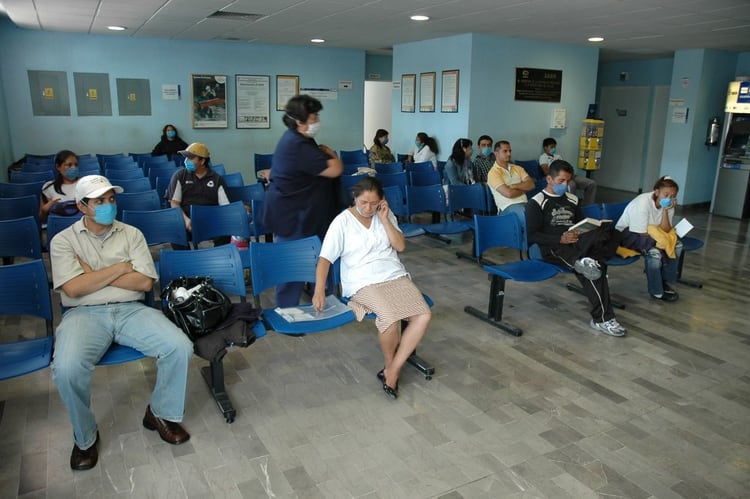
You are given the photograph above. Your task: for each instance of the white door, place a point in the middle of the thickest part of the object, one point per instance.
(624, 111)
(378, 109)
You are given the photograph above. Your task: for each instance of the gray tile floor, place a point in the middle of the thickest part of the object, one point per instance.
(560, 412)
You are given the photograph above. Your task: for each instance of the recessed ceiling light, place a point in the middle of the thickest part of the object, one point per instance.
(596, 38)
(419, 18)
(318, 40)
(116, 28)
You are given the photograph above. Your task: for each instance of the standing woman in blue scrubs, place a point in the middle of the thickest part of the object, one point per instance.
(301, 200)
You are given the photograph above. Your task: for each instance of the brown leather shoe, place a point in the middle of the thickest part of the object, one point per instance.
(84, 459)
(169, 431)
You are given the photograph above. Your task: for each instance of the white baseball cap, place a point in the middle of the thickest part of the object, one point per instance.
(93, 186)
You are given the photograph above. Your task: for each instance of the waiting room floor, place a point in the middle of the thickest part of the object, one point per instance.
(562, 411)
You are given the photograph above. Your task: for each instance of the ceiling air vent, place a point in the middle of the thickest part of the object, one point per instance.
(235, 16)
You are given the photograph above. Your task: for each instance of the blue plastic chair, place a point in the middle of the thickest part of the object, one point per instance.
(20, 207)
(246, 193)
(347, 183)
(593, 211)
(257, 229)
(428, 177)
(219, 168)
(423, 166)
(397, 203)
(57, 223)
(104, 157)
(233, 179)
(146, 200)
(24, 290)
(355, 157)
(124, 163)
(38, 158)
(504, 231)
(161, 171)
(123, 174)
(431, 198)
(162, 189)
(388, 167)
(140, 184)
(224, 265)
(17, 189)
(153, 160)
(21, 177)
(38, 167)
(263, 161)
(209, 222)
(613, 211)
(402, 158)
(158, 226)
(20, 237)
(351, 169)
(288, 261)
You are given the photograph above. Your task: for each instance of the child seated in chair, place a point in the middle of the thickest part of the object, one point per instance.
(366, 237)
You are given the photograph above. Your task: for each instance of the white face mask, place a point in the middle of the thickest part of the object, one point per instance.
(313, 129)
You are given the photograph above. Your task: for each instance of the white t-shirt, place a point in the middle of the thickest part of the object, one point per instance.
(640, 213)
(69, 191)
(367, 256)
(546, 159)
(424, 154)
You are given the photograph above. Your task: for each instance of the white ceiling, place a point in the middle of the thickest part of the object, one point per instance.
(633, 29)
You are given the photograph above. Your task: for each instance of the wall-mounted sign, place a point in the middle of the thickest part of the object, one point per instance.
(543, 85)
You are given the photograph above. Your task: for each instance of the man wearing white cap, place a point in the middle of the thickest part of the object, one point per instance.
(196, 183)
(102, 268)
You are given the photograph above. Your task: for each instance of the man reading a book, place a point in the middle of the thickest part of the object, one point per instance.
(550, 217)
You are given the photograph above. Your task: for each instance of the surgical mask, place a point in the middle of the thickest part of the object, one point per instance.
(385, 142)
(171, 134)
(665, 202)
(560, 189)
(189, 165)
(362, 214)
(71, 173)
(313, 129)
(486, 151)
(419, 146)
(552, 151)
(104, 214)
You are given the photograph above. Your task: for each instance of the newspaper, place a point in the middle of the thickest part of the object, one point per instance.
(304, 313)
(683, 227)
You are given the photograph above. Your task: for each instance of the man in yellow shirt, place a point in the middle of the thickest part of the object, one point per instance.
(509, 182)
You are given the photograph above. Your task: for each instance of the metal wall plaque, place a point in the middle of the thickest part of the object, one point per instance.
(543, 85)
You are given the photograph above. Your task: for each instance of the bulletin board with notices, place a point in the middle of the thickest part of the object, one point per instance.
(591, 143)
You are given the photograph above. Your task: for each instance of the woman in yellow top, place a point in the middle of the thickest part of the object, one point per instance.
(380, 152)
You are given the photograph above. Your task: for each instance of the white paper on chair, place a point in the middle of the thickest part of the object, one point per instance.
(304, 313)
(683, 227)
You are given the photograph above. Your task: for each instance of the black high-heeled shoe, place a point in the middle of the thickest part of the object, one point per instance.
(391, 392)
(381, 375)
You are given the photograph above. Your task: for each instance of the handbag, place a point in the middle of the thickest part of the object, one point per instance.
(195, 305)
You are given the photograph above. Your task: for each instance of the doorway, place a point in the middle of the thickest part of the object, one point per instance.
(378, 109)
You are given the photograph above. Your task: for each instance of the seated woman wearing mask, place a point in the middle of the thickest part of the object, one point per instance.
(366, 238)
(59, 195)
(646, 226)
(170, 142)
(380, 152)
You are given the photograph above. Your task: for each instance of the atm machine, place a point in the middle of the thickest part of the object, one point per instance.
(732, 187)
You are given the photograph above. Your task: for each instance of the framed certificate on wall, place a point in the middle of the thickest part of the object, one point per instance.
(427, 92)
(408, 92)
(449, 92)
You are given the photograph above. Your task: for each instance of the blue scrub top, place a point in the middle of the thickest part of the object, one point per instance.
(299, 202)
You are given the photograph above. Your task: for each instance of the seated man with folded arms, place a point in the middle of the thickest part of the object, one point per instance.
(549, 215)
(102, 268)
(509, 183)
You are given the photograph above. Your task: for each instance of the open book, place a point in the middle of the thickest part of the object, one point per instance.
(303, 313)
(588, 224)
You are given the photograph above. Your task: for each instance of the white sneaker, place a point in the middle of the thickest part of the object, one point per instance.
(610, 327)
(589, 268)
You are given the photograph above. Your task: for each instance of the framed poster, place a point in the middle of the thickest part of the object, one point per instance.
(252, 94)
(209, 100)
(287, 86)
(449, 92)
(408, 92)
(427, 92)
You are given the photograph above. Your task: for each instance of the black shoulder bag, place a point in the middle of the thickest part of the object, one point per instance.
(195, 305)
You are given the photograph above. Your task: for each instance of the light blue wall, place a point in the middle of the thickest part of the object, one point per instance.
(435, 55)
(652, 72)
(743, 64)
(494, 110)
(700, 78)
(379, 64)
(486, 94)
(169, 61)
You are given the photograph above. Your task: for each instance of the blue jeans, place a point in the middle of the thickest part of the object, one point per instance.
(660, 268)
(85, 334)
